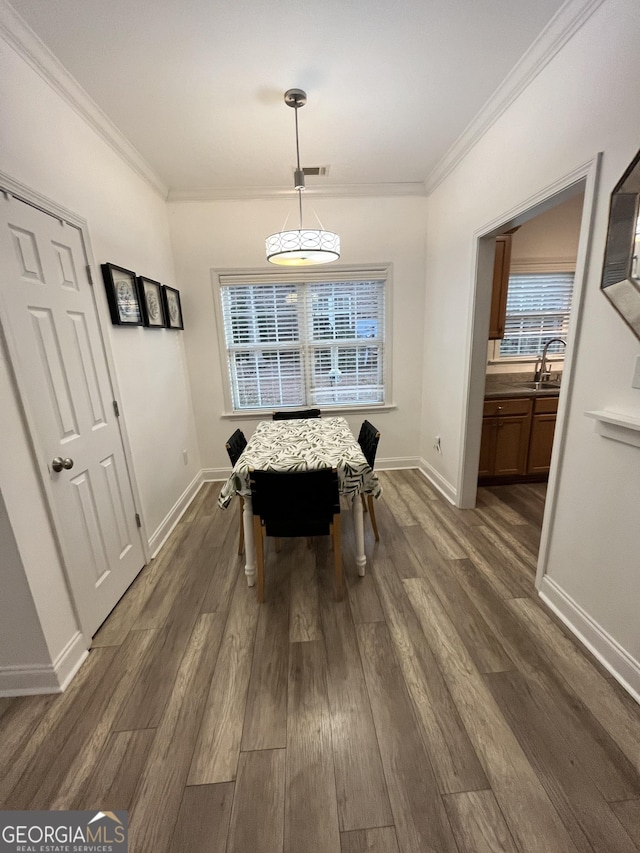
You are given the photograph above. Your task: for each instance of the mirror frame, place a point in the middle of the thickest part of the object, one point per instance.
(618, 283)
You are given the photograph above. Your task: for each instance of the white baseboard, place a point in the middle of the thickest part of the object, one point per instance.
(32, 679)
(624, 668)
(397, 463)
(70, 660)
(162, 533)
(445, 488)
(28, 680)
(215, 475)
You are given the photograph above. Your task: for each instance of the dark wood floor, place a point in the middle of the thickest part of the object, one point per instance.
(440, 708)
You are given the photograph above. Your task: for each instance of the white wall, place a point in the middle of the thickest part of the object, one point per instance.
(48, 147)
(586, 99)
(18, 608)
(552, 235)
(231, 234)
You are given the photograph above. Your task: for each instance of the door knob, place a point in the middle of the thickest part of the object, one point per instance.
(59, 463)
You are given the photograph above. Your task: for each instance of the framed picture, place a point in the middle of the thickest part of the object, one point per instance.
(151, 302)
(172, 307)
(122, 295)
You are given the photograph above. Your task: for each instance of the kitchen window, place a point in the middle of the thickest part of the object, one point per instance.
(538, 309)
(306, 339)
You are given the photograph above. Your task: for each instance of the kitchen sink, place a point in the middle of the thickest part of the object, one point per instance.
(542, 386)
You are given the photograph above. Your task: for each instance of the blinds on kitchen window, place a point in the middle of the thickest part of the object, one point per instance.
(538, 309)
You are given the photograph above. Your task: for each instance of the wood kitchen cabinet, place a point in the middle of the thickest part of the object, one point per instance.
(501, 267)
(543, 424)
(504, 445)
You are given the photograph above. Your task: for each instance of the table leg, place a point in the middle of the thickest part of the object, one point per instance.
(249, 544)
(358, 523)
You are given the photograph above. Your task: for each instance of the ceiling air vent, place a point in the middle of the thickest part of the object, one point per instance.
(318, 171)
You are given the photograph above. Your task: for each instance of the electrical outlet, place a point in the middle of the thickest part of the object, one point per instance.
(436, 444)
(185, 457)
(635, 382)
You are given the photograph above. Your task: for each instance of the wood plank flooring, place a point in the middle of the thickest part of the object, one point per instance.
(440, 708)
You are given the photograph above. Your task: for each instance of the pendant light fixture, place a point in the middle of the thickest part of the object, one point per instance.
(305, 246)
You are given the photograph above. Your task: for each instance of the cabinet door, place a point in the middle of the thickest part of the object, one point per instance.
(542, 430)
(501, 267)
(512, 441)
(489, 426)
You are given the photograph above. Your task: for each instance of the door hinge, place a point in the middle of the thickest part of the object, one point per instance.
(138, 522)
(116, 409)
(89, 274)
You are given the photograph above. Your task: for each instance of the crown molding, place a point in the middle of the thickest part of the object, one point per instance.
(17, 33)
(562, 27)
(415, 188)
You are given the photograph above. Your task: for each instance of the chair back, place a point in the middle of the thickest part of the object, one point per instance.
(235, 445)
(297, 415)
(297, 503)
(368, 440)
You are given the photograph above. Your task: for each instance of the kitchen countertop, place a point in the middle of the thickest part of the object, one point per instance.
(511, 385)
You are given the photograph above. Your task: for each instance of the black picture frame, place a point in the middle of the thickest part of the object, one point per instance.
(172, 307)
(122, 295)
(152, 303)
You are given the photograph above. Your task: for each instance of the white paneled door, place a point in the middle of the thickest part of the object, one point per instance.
(51, 327)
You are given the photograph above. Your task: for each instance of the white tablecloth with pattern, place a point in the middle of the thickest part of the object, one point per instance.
(303, 445)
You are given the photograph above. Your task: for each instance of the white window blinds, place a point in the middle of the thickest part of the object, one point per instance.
(538, 308)
(304, 342)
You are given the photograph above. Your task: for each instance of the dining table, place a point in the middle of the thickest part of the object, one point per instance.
(304, 444)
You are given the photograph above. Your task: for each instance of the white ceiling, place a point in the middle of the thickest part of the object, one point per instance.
(197, 85)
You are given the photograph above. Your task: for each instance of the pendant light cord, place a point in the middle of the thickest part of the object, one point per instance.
(297, 142)
(298, 162)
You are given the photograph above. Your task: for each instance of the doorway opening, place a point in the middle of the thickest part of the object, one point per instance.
(514, 356)
(532, 292)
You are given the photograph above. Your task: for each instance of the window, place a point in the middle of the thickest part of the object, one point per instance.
(306, 341)
(538, 309)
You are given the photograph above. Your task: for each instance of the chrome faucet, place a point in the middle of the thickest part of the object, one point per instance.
(541, 370)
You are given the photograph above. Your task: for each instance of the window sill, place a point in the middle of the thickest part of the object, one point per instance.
(265, 414)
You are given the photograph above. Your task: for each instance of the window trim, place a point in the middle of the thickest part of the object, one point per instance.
(350, 272)
(521, 267)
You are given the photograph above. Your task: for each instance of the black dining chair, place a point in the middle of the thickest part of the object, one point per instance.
(292, 504)
(297, 415)
(368, 440)
(235, 445)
